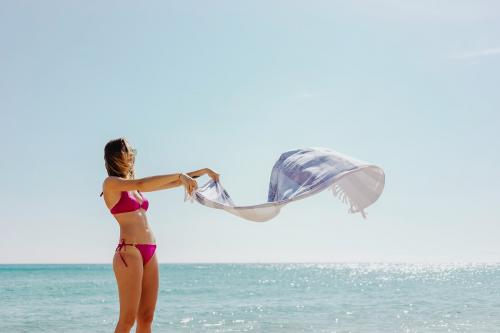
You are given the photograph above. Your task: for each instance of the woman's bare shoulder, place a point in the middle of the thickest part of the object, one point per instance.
(114, 183)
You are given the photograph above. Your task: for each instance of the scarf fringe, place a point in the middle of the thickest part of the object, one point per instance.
(343, 196)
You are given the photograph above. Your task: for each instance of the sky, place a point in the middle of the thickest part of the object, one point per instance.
(411, 87)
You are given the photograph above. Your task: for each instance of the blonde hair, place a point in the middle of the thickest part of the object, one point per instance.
(119, 158)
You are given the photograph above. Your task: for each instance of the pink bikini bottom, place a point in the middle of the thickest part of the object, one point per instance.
(147, 250)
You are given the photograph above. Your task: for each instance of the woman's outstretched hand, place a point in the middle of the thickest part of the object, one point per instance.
(212, 174)
(189, 183)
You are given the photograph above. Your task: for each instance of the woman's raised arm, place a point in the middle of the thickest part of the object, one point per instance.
(156, 183)
(145, 184)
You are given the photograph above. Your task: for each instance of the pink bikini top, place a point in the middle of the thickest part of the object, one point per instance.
(128, 203)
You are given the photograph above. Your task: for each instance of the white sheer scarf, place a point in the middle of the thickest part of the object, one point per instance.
(298, 174)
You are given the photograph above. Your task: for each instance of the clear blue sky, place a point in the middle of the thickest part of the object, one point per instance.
(229, 85)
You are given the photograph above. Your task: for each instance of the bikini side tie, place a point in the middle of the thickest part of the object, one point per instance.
(119, 247)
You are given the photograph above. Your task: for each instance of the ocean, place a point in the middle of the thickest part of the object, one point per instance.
(341, 297)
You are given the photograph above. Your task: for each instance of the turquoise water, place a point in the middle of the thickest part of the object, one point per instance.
(260, 298)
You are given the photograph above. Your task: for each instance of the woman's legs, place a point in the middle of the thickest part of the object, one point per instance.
(149, 295)
(129, 280)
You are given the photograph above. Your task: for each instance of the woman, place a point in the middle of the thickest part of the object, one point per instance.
(135, 264)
